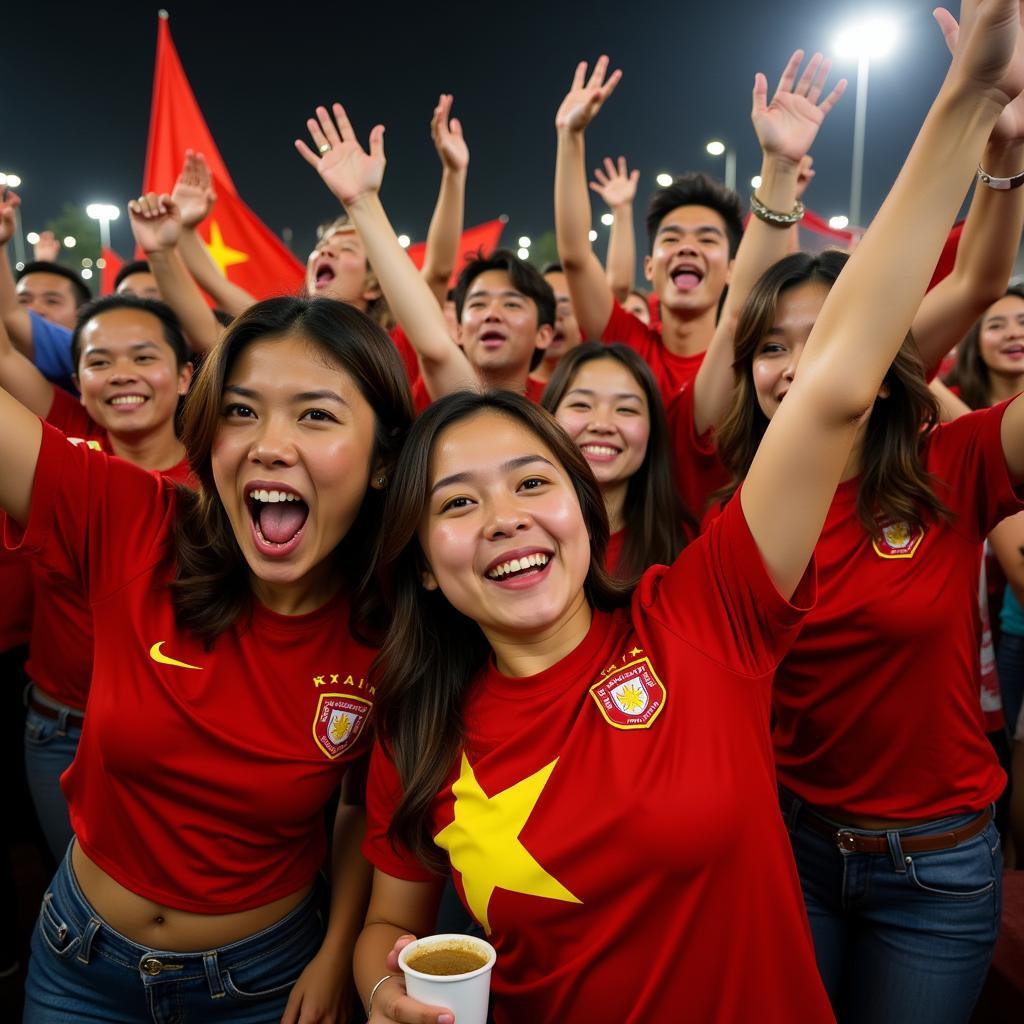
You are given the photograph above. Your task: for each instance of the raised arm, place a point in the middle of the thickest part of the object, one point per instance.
(988, 246)
(442, 252)
(20, 437)
(354, 176)
(591, 294)
(22, 380)
(195, 196)
(786, 129)
(15, 317)
(868, 312)
(616, 185)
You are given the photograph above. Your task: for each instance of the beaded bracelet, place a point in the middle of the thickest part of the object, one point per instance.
(773, 217)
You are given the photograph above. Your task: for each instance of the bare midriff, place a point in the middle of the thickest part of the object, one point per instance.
(159, 927)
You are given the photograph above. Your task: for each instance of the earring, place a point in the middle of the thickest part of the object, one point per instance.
(381, 481)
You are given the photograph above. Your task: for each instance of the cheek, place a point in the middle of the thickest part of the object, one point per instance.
(450, 548)
(637, 432)
(574, 423)
(765, 377)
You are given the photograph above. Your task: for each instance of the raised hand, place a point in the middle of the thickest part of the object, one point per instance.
(586, 97)
(988, 52)
(788, 125)
(193, 192)
(155, 221)
(446, 131)
(804, 176)
(8, 201)
(346, 168)
(616, 184)
(47, 248)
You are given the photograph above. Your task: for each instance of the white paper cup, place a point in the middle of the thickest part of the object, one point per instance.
(464, 994)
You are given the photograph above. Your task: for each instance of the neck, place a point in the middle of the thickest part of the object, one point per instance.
(301, 597)
(544, 370)
(686, 333)
(1002, 386)
(154, 451)
(614, 495)
(526, 655)
(505, 380)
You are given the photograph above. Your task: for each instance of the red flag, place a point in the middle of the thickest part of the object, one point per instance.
(482, 238)
(244, 248)
(112, 264)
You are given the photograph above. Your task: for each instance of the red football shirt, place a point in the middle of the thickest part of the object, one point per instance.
(201, 776)
(877, 701)
(698, 470)
(421, 398)
(613, 821)
(15, 598)
(670, 371)
(409, 358)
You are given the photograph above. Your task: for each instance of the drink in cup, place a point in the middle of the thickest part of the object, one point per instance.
(453, 971)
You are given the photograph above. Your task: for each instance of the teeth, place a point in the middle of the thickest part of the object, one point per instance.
(273, 496)
(518, 565)
(600, 449)
(127, 400)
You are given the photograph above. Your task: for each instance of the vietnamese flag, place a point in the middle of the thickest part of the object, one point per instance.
(482, 238)
(112, 264)
(248, 253)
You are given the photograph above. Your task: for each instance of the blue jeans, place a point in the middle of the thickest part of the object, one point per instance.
(83, 970)
(1010, 666)
(900, 938)
(50, 746)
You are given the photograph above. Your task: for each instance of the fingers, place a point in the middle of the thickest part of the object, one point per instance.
(789, 72)
(819, 80)
(580, 75)
(609, 86)
(316, 133)
(833, 97)
(377, 141)
(803, 87)
(149, 206)
(311, 158)
(455, 127)
(402, 1008)
(623, 167)
(600, 70)
(332, 134)
(760, 94)
(948, 26)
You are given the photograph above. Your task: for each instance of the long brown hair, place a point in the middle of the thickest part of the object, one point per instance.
(657, 524)
(970, 374)
(432, 651)
(894, 483)
(211, 588)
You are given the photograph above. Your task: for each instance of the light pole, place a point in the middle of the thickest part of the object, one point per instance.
(13, 181)
(104, 213)
(862, 40)
(716, 148)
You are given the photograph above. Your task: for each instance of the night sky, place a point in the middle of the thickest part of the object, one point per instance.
(77, 81)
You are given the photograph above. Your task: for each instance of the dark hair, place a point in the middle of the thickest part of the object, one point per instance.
(551, 268)
(432, 651)
(211, 588)
(135, 267)
(658, 524)
(970, 375)
(894, 483)
(168, 323)
(697, 190)
(78, 287)
(524, 276)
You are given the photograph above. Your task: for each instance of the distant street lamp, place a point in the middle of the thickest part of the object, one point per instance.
(717, 148)
(872, 37)
(104, 213)
(664, 180)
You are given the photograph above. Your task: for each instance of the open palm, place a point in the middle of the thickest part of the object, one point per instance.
(586, 96)
(345, 167)
(788, 125)
(155, 221)
(446, 131)
(193, 191)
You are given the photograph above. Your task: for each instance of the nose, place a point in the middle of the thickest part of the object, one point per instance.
(124, 372)
(600, 421)
(273, 445)
(506, 518)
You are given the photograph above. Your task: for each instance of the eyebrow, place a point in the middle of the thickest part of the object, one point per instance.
(506, 467)
(138, 347)
(590, 391)
(323, 395)
(699, 229)
(505, 293)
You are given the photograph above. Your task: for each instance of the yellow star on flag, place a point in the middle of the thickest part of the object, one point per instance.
(483, 841)
(636, 650)
(223, 255)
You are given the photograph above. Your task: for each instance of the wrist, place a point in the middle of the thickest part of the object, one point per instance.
(1003, 158)
(625, 208)
(361, 202)
(158, 256)
(778, 183)
(569, 134)
(456, 175)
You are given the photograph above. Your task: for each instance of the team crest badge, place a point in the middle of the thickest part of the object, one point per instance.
(632, 697)
(899, 539)
(339, 722)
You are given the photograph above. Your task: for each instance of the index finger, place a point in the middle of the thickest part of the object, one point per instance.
(788, 76)
(406, 1010)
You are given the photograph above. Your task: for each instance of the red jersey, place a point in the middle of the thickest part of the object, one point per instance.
(410, 360)
(670, 371)
(421, 398)
(877, 710)
(699, 471)
(15, 598)
(613, 821)
(61, 645)
(613, 552)
(201, 775)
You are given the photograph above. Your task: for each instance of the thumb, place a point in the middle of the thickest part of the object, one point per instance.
(948, 26)
(760, 94)
(377, 141)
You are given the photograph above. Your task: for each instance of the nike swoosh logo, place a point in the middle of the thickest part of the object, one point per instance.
(161, 659)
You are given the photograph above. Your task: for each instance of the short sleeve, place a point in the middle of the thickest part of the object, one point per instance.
(51, 351)
(93, 516)
(966, 457)
(719, 598)
(383, 792)
(68, 415)
(629, 330)
(698, 469)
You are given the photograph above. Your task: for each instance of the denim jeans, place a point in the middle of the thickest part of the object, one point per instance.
(1010, 665)
(83, 970)
(50, 745)
(900, 938)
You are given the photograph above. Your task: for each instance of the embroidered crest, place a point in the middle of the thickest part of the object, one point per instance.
(339, 721)
(899, 539)
(632, 697)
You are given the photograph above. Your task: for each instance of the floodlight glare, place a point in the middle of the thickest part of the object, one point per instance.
(524, 242)
(870, 38)
(404, 241)
(102, 211)
(664, 180)
(715, 148)
(523, 253)
(755, 181)
(838, 222)
(32, 237)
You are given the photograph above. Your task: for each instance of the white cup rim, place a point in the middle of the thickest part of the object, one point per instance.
(454, 938)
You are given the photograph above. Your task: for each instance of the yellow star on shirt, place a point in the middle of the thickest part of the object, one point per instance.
(483, 841)
(223, 255)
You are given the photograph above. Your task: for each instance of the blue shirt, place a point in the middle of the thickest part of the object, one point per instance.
(51, 352)
(1012, 615)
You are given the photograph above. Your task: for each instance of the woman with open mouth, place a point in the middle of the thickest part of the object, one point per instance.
(593, 766)
(233, 631)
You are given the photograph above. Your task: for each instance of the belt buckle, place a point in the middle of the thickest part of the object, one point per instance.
(152, 966)
(846, 841)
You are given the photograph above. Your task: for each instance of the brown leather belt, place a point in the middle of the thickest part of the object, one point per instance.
(856, 842)
(74, 720)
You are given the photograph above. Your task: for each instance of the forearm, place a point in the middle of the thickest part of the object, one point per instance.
(15, 316)
(20, 439)
(351, 878)
(200, 265)
(620, 266)
(442, 252)
(370, 961)
(1007, 541)
(182, 294)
